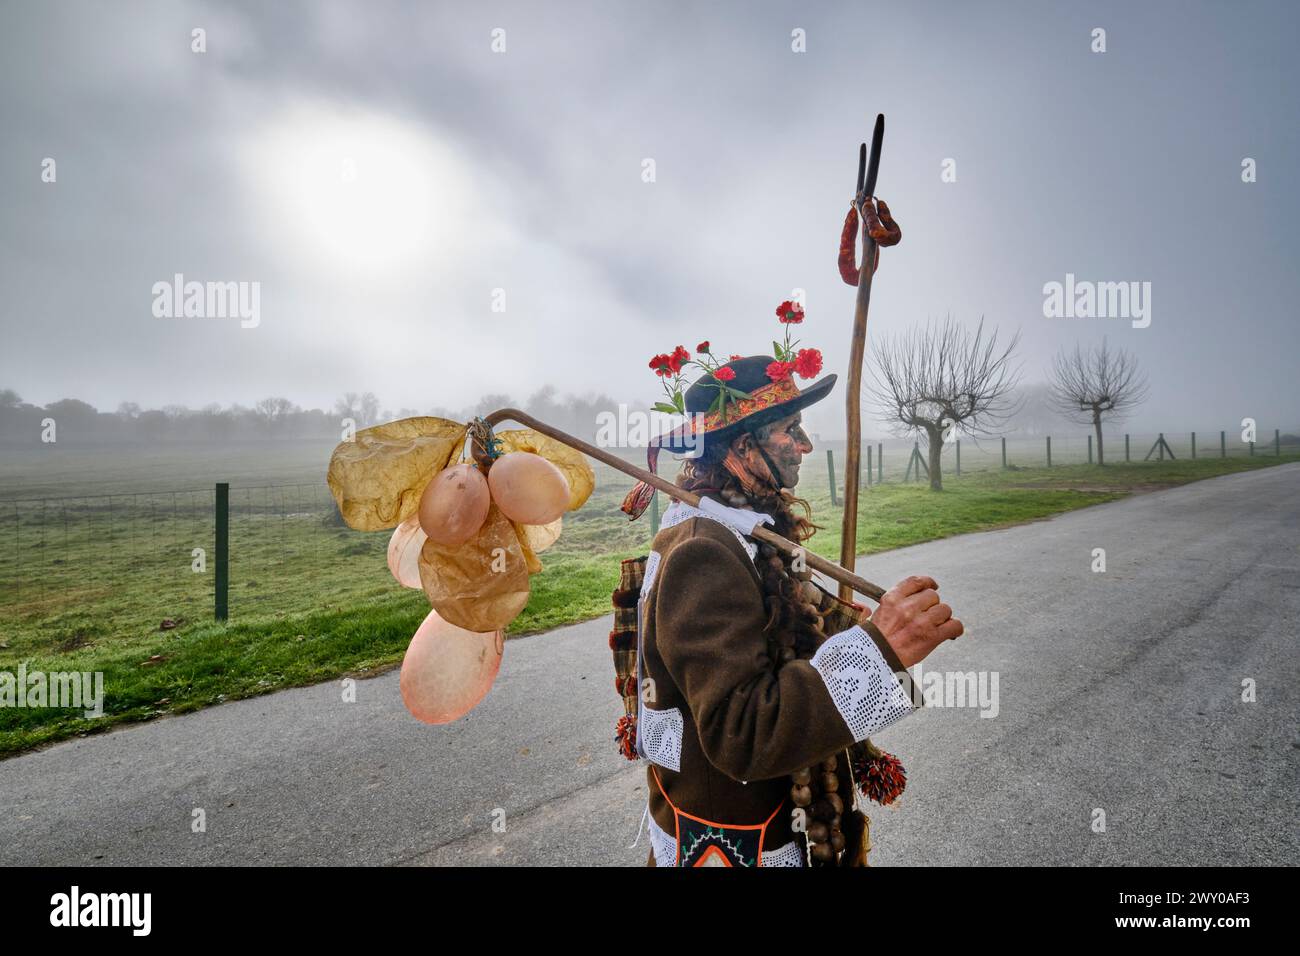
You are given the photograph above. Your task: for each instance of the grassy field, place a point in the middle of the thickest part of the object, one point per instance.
(97, 584)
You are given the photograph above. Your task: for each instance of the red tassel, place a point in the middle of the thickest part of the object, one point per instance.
(879, 775)
(625, 735)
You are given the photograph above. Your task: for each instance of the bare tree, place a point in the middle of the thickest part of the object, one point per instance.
(271, 412)
(1099, 384)
(941, 378)
(362, 409)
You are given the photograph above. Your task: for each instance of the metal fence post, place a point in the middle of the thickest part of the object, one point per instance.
(830, 473)
(1004, 452)
(1277, 441)
(1193, 445)
(1090, 449)
(1126, 446)
(1223, 445)
(869, 466)
(880, 463)
(959, 457)
(1049, 451)
(222, 583)
(1162, 446)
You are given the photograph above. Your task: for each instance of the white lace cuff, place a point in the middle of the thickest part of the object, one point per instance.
(864, 689)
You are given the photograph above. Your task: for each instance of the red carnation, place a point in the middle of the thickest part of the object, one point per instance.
(779, 371)
(790, 312)
(662, 365)
(808, 362)
(679, 356)
(735, 358)
(879, 775)
(724, 374)
(703, 347)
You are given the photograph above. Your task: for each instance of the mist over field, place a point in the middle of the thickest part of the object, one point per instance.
(418, 206)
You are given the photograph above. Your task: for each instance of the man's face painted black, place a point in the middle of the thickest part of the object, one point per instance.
(783, 444)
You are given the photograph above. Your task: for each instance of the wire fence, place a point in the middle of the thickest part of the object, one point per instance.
(99, 563)
(96, 562)
(1041, 451)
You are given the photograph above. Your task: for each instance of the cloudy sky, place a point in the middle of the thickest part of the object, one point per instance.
(380, 170)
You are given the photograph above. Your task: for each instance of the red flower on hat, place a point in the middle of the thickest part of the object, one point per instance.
(661, 364)
(703, 347)
(735, 358)
(808, 362)
(679, 356)
(779, 371)
(790, 312)
(724, 374)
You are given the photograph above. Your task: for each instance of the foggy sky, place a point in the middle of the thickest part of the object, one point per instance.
(1115, 166)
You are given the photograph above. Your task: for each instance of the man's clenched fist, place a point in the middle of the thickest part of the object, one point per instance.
(913, 619)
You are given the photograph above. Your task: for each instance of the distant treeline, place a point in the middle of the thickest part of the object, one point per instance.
(279, 418)
(270, 419)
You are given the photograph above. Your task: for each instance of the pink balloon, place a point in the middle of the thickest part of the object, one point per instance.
(404, 553)
(447, 670)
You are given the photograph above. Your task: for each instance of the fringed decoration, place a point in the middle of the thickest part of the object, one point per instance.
(625, 736)
(879, 775)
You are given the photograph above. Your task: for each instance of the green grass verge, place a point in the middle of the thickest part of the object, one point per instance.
(359, 622)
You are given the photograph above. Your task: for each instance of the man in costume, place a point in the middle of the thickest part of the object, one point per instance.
(757, 688)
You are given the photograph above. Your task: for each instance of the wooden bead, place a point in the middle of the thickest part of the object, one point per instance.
(829, 763)
(822, 852)
(837, 840)
(834, 800)
(801, 796)
(830, 782)
(787, 655)
(802, 777)
(818, 832)
(834, 822)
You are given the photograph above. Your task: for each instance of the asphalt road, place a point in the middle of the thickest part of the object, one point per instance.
(1118, 691)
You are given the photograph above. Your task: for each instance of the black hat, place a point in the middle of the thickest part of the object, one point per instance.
(768, 400)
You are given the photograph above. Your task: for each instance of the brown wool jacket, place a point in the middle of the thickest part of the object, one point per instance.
(723, 729)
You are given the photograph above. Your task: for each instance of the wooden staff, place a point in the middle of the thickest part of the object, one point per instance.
(848, 581)
(853, 408)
